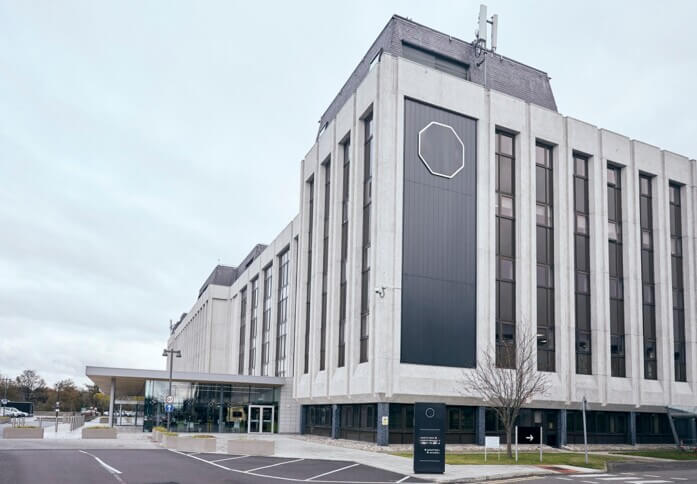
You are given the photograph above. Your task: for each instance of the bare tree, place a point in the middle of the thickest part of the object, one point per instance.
(30, 383)
(509, 383)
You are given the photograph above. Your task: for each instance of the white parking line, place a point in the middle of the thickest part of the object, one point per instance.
(114, 472)
(402, 479)
(331, 472)
(272, 465)
(647, 482)
(229, 458)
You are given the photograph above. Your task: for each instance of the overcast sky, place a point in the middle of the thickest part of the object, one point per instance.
(141, 142)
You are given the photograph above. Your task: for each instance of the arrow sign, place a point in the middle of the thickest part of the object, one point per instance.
(529, 435)
(530, 438)
(169, 408)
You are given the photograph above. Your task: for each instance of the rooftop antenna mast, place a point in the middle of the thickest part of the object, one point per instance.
(480, 47)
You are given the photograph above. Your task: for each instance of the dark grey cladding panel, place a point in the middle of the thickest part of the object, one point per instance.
(439, 244)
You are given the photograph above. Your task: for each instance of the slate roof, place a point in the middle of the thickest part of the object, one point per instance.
(503, 74)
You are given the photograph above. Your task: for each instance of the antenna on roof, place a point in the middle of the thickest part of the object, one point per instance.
(482, 32)
(480, 48)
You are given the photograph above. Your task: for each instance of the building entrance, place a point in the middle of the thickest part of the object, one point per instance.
(261, 419)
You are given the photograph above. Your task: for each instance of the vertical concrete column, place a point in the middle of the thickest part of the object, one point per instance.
(112, 397)
(562, 438)
(632, 428)
(693, 430)
(303, 419)
(336, 421)
(383, 433)
(480, 425)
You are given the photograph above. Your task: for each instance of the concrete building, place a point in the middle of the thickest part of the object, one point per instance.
(447, 208)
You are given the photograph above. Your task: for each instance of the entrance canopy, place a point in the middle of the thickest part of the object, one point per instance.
(130, 382)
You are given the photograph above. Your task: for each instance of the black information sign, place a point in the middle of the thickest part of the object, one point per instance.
(528, 435)
(429, 438)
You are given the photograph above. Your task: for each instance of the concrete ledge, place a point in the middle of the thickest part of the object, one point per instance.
(250, 447)
(170, 441)
(93, 433)
(23, 433)
(192, 444)
(156, 436)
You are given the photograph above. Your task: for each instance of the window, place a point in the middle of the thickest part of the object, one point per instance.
(253, 327)
(282, 316)
(368, 154)
(243, 330)
(677, 283)
(266, 322)
(505, 250)
(647, 278)
(346, 149)
(310, 188)
(435, 61)
(545, 257)
(325, 265)
(616, 271)
(582, 267)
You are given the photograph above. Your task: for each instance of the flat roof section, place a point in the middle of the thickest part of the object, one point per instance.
(131, 381)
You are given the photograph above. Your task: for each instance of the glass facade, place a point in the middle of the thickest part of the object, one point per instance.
(207, 407)
(505, 251)
(677, 283)
(325, 266)
(266, 321)
(346, 147)
(647, 279)
(282, 313)
(308, 282)
(582, 266)
(368, 153)
(545, 257)
(616, 270)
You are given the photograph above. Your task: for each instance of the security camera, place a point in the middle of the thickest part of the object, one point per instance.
(380, 291)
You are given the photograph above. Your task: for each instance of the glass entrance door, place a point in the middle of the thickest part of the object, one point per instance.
(261, 418)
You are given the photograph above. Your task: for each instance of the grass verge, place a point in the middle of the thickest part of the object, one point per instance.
(595, 461)
(673, 454)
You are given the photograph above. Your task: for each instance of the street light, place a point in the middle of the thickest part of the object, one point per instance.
(171, 354)
(6, 381)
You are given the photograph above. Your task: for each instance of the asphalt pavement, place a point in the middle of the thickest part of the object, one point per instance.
(74, 466)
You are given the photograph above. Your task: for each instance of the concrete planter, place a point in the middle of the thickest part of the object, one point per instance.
(250, 447)
(170, 441)
(156, 436)
(191, 444)
(92, 433)
(4, 419)
(23, 433)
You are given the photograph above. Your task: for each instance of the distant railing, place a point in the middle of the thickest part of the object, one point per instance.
(76, 421)
(17, 421)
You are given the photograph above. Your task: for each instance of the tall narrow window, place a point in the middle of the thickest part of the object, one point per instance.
(368, 153)
(677, 282)
(243, 328)
(616, 272)
(266, 322)
(346, 148)
(505, 251)
(282, 316)
(253, 326)
(308, 284)
(584, 360)
(325, 265)
(545, 258)
(647, 278)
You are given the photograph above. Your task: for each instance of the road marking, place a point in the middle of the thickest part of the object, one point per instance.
(114, 472)
(651, 475)
(564, 478)
(591, 482)
(617, 478)
(646, 482)
(402, 479)
(229, 458)
(279, 478)
(594, 475)
(272, 465)
(332, 472)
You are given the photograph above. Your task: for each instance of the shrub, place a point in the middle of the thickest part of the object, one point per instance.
(204, 436)
(99, 427)
(170, 434)
(159, 429)
(27, 427)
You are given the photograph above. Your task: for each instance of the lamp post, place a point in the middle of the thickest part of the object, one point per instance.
(6, 381)
(171, 354)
